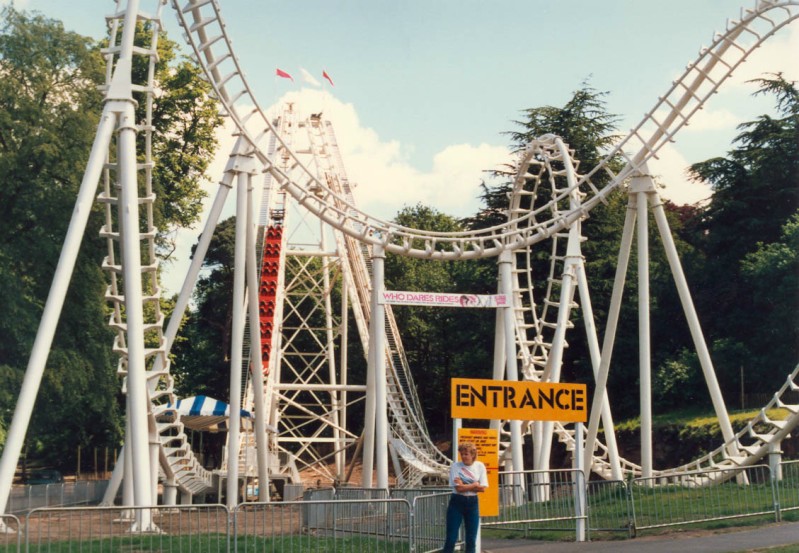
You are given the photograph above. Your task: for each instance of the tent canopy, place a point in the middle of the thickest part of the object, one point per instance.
(203, 413)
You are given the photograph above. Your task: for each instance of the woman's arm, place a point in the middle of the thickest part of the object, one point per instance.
(460, 487)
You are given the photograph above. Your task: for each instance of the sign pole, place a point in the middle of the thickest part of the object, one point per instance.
(579, 481)
(456, 426)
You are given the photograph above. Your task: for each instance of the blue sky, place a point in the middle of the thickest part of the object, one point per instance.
(425, 88)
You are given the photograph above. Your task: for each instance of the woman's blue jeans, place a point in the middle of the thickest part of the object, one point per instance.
(463, 508)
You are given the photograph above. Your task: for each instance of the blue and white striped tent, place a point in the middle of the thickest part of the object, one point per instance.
(204, 413)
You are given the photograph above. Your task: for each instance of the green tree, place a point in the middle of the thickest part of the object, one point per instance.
(202, 362)
(771, 273)
(442, 343)
(49, 107)
(755, 195)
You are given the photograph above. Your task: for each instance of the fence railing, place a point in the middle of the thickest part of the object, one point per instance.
(383, 521)
(429, 521)
(166, 529)
(10, 533)
(344, 525)
(24, 499)
(609, 508)
(787, 477)
(701, 496)
(539, 500)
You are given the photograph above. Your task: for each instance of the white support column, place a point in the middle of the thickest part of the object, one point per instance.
(341, 456)
(154, 450)
(693, 325)
(377, 339)
(593, 348)
(368, 450)
(134, 311)
(52, 307)
(555, 359)
(237, 342)
(775, 459)
(499, 359)
(115, 481)
(170, 493)
(511, 369)
(256, 353)
(610, 331)
(639, 188)
(330, 354)
(203, 243)
(579, 481)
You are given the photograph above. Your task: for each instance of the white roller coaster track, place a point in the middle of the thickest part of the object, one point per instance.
(202, 21)
(207, 34)
(146, 348)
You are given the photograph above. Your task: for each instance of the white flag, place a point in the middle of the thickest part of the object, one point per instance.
(308, 78)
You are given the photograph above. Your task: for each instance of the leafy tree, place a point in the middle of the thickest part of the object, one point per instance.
(202, 362)
(755, 195)
(442, 343)
(771, 273)
(49, 109)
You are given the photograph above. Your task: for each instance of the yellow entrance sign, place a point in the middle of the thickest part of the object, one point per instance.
(474, 398)
(487, 442)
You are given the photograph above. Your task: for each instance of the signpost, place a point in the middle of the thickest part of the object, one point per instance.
(501, 399)
(487, 442)
(473, 398)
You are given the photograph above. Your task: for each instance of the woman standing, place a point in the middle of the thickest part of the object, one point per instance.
(468, 477)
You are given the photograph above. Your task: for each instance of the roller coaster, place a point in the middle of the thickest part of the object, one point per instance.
(308, 260)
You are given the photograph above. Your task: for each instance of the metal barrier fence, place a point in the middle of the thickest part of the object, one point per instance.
(367, 525)
(166, 529)
(376, 520)
(429, 521)
(10, 533)
(787, 478)
(539, 500)
(409, 494)
(24, 499)
(701, 496)
(609, 508)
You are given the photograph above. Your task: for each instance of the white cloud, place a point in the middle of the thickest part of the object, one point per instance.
(777, 54)
(384, 178)
(710, 120)
(670, 170)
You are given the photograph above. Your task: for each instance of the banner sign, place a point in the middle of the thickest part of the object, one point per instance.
(435, 299)
(511, 400)
(487, 442)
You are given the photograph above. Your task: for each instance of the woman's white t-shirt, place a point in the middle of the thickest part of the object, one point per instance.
(476, 472)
